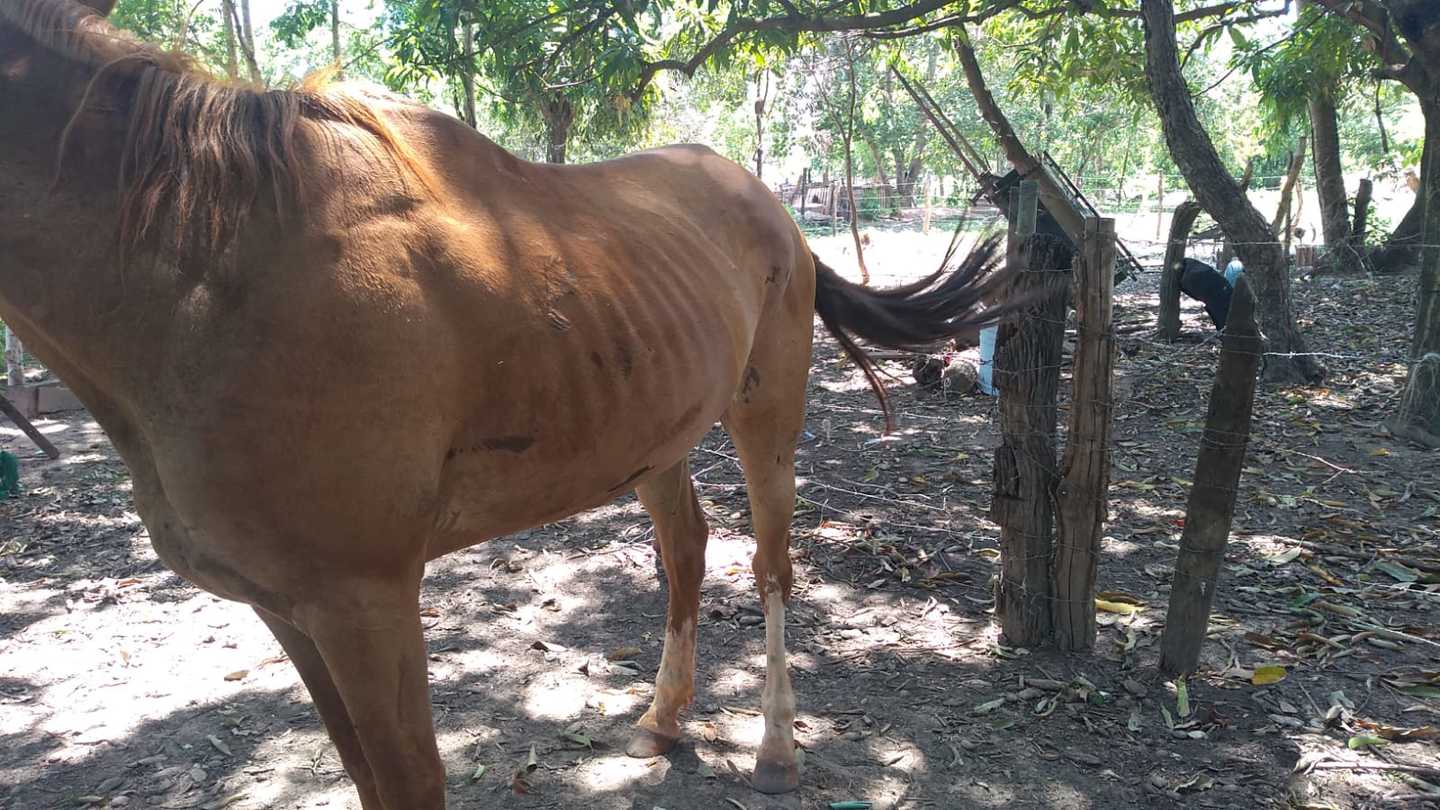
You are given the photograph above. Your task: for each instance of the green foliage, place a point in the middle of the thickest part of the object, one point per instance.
(610, 76)
(298, 20)
(175, 24)
(1320, 53)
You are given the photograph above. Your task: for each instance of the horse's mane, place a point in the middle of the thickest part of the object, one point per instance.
(198, 152)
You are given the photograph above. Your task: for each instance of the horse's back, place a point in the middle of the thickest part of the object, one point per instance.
(603, 313)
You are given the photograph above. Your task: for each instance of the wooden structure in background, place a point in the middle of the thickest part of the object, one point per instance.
(1212, 498)
(1063, 205)
(22, 402)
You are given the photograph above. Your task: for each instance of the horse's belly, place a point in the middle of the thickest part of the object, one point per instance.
(498, 487)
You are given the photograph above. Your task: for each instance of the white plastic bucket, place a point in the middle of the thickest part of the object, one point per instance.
(987, 360)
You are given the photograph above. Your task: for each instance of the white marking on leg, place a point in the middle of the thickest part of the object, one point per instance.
(777, 700)
(675, 682)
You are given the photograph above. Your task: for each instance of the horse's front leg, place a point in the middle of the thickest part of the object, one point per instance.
(682, 533)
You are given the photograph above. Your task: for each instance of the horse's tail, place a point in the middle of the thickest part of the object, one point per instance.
(916, 315)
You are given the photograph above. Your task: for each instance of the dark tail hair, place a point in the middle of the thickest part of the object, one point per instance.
(914, 316)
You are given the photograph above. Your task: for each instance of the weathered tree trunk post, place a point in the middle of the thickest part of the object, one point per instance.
(1217, 478)
(1361, 226)
(1025, 213)
(1180, 225)
(1028, 352)
(1081, 499)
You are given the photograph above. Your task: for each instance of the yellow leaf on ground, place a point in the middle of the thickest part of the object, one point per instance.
(1117, 607)
(1268, 674)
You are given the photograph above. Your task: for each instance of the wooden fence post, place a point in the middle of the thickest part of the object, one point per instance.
(1168, 321)
(1028, 351)
(14, 359)
(1082, 497)
(1212, 498)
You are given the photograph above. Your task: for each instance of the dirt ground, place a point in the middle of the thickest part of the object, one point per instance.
(120, 685)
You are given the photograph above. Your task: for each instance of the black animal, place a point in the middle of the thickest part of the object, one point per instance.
(1208, 286)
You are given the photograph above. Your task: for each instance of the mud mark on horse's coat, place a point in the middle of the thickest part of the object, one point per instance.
(749, 383)
(508, 444)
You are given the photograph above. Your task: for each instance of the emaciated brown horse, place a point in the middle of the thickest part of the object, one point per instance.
(336, 336)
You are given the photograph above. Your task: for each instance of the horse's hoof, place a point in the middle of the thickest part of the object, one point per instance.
(776, 777)
(645, 744)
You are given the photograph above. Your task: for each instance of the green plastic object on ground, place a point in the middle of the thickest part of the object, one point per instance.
(9, 474)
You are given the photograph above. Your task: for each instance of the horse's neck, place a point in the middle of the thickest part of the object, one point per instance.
(60, 286)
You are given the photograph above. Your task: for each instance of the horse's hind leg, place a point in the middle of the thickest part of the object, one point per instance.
(765, 421)
(306, 658)
(681, 533)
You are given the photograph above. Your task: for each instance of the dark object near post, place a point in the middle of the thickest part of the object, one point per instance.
(1027, 371)
(1180, 225)
(1212, 499)
(24, 424)
(1208, 286)
(1082, 503)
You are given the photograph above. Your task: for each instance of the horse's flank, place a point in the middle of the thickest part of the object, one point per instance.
(198, 153)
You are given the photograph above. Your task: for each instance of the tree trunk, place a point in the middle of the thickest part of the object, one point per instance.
(879, 159)
(1212, 497)
(1427, 318)
(1287, 190)
(467, 72)
(1180, 225)
(761, 97)
(559, 115)
(182, 30)
(1401, 247)
(1361, 227)
(1015, 152)
(1220, 195)
(1418, 418)
(1330, 185)
(335, 50)
(850, 167)
(1227, 250)
(247, 39)
(232, 56)
(911, 177)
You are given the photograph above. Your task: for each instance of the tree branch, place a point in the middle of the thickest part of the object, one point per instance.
(797, 24)
(1376, 19)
